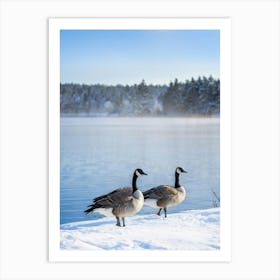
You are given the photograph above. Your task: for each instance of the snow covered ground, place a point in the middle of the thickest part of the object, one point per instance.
(187, 230)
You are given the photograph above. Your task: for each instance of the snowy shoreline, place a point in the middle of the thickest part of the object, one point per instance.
(186, 230)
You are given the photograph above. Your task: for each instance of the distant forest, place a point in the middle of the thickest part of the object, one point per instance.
(195, 97)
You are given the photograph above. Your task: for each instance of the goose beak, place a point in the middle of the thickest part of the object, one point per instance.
(184, 171)
(144, 173)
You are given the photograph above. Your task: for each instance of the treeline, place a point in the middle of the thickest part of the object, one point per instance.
(193, 97)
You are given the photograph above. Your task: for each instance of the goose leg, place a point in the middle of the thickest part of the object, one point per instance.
(165, 212)
(123, 222)
(158, 213)
(118, 222)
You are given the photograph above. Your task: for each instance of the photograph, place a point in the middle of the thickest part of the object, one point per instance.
(139, 139)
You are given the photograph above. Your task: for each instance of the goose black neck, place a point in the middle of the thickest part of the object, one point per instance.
(134, 186)
(177, 183)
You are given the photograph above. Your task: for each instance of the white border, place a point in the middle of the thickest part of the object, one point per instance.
(55, 25)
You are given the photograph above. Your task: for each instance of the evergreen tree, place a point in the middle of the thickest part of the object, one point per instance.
(200, 96)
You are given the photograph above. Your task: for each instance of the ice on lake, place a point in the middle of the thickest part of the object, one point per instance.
(98, 155)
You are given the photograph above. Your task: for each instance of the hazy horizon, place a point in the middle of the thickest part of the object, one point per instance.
(139, 82)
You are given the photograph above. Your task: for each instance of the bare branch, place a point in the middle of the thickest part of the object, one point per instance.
(214, 193)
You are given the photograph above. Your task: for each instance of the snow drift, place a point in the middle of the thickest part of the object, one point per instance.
(187, 230)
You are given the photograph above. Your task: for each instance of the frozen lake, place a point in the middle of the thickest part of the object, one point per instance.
(98, 155)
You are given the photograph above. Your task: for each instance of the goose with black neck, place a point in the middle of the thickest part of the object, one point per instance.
(120, 203)
(165, 196)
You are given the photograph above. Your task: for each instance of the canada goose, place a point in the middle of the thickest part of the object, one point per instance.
(122, 202)
(165, 196)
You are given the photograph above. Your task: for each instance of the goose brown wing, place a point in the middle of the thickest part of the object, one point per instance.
(114, 198)
(159, 192)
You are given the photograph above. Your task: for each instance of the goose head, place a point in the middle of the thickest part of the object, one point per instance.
(180, 170)
(138, 172)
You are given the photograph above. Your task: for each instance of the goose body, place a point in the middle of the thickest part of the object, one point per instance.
(120, 203)
(165, 196)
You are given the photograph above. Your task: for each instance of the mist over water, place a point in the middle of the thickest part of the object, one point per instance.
(99, 155)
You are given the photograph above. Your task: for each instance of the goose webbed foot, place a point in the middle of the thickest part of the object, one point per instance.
(123, 222)
(158, 213)
(118, 222)
(165, 212)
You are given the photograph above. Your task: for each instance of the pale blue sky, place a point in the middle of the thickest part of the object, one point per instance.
(127, 56)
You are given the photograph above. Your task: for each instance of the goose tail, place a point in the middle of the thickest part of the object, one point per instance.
(91, 208)
(146, 194)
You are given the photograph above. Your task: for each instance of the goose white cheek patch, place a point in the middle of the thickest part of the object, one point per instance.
(137, 173)
(178, 170)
